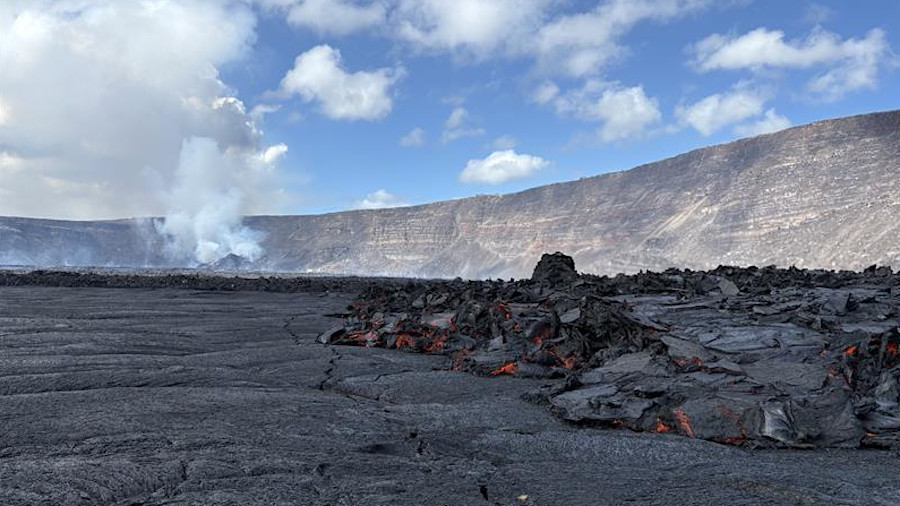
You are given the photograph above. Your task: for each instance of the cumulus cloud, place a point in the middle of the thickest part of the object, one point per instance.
(719, 110)
(456, 127)
(336, 17)
(414, 138)
(272, 154)
(113, 109)
(500, 167)
(849, 65)
(379, 199)
(470, 28)
(318, 76)
(624, 112)
(580, 44)
(575, 44)
(770, 122)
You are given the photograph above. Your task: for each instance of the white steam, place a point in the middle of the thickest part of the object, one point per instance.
(208, 199)
(112, 109)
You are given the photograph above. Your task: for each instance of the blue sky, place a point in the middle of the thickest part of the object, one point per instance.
(342, 161)
(522, 92)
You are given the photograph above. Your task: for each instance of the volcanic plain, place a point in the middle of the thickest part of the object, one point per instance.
(162, 393)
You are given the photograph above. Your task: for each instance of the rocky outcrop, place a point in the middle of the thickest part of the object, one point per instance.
(824, 195)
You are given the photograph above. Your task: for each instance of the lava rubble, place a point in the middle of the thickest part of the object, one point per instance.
(758, 357)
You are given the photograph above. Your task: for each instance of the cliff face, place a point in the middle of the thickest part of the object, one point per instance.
(821, 195)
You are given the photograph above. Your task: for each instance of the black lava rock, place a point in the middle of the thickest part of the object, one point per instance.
(555, 270)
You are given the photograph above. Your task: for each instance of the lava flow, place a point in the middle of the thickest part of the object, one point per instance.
(661, 427)
(507, 368)
(683, 421)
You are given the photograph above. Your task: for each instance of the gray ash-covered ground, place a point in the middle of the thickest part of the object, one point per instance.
(756, 357)
(171, 392)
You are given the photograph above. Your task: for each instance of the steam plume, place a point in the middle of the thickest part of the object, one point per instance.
(208, 199)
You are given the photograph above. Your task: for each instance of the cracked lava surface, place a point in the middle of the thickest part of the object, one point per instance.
(175, 396)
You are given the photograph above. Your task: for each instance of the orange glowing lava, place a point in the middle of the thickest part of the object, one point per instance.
(661, 427)
(564, 362)
(507, 368)
(683, 421)
(850, 350)
(404, 340)
(503, 308)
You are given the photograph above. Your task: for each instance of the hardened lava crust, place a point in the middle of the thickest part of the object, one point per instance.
(207, 389)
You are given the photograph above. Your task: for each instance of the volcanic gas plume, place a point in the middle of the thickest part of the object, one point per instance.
(207, 201)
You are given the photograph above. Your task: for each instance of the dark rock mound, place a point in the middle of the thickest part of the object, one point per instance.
(230, 262)
(557, 269)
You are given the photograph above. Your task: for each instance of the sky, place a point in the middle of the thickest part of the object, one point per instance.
(191, 109)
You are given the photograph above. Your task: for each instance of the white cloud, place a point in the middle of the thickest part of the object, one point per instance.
(500, 167)
(379, 199)
(338, 17)
(318, 76)
(719, 110)
(273, 154)
(259, 112)
(106, 103)
(580, 44)
(770, 122)
(850, 64)
(624, 112)
(415, 138)
(455, 127)
(4, 112)
(456, 118)
(545, 92)
(572, 43)
(97, 101)
(504, 142)
(471, 28)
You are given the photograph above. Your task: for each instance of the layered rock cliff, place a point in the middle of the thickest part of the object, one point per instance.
(820, 195)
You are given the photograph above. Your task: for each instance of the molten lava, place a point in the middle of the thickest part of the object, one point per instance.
(851, 350)
(564, 362)
(507, 368)
(683, 421)
(404, 340)
(503, 309)
(661, 427)
(891, 349)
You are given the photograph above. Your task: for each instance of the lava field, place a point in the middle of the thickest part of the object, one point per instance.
(735, 386)
(758, 357)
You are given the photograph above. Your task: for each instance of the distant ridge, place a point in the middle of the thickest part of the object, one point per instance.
(823, 195)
